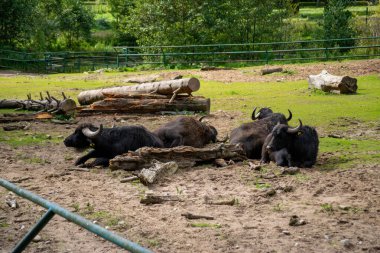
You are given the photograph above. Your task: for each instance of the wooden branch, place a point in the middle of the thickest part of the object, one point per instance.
(125, 105)
(128, 179)
(184, 156)
(191, 216)
(151, 198)
(335, 84)
(229, 202)
(187, 86)
(270, 71)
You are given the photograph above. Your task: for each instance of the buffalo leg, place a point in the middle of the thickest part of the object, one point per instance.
(101, 161)
(281, 157)
(83, 159)
(178, 141)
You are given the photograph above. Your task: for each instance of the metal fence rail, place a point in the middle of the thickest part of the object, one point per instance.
(54, 208)
(254, 53)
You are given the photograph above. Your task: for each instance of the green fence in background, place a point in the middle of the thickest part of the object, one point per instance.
(193, 55)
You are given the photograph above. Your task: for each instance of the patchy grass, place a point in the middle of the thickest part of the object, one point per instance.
(21, 138)
(346, 153)
(327, 208)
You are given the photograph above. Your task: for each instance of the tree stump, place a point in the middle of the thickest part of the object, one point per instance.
(335, 84)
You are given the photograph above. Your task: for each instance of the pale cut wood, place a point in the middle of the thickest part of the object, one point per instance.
(184, 156)
(335, 84)
(168, 87)
(150, 105)
(153, 174)
(270, 71)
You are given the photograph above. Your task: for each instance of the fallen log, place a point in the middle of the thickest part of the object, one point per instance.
(184, 156)
(168, 87)
(149, 105)
(270, 71)
(335, 84)
(49, 104)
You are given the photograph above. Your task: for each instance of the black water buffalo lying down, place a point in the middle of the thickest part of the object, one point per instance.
(186, 131)
(252, 135)
(266, 112)
(109, 142)
(291, 146)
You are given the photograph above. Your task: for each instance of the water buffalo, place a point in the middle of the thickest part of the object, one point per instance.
(291, 146)
(252, 135)
(109, 142)
(266, 112)
(186, 131)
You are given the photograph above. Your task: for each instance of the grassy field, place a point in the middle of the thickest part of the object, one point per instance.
(327, 112)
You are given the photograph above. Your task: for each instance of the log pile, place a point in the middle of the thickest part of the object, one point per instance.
(184, 156)
(163, 96)
(48, 104)
(335, 84)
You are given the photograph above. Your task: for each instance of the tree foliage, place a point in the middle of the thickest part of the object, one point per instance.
(16, 21)
(337, 22)
(181, 22)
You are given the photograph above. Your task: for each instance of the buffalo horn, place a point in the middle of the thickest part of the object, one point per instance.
(92, 134)
(201, 118)
(290, 115)
(255, 116)
(296, 129)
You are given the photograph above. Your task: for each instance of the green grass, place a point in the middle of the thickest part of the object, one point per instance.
(315, 108)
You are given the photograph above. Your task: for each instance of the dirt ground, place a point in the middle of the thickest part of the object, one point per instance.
(341, 208)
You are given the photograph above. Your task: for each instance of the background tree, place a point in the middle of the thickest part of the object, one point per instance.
(75, 23)
(15, 22)
(337, 25)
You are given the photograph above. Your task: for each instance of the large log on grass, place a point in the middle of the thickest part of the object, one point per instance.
(149, 105)
(335, 84)
(168, 87)
(184, 156)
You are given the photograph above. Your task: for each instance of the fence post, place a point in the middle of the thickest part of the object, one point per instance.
(34, 231)
(266, 57)
(326, 54)
(163, 57)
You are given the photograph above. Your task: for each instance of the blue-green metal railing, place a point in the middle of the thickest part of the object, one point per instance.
(54, 208)
(259, 53)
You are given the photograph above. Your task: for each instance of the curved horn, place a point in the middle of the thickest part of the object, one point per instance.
(201, 118)
(290, 115)
(255, 116)
(296, 129)
(90, 134)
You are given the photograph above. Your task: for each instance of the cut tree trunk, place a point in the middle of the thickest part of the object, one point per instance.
(184, 156)
(335, 84)
(270, 71)
(168, 87)
(149, 105)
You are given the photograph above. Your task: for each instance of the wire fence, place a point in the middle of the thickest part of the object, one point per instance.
(193, 55)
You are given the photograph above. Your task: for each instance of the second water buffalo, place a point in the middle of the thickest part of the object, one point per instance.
(186, 131)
